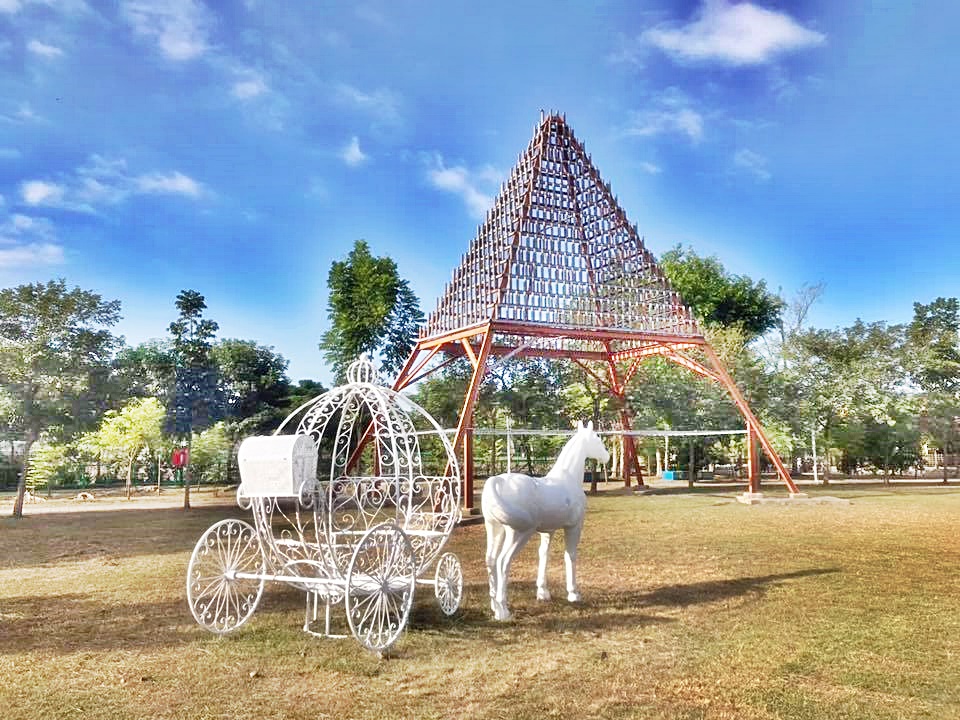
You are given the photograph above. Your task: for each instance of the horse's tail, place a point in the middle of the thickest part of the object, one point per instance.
(495, 505)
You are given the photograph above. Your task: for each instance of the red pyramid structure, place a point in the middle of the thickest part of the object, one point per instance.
(557, 271)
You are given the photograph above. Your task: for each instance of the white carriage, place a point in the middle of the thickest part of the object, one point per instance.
(353, 500)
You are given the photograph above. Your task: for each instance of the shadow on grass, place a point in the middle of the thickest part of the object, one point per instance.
(605, 610)
(68, 623)
(717, 590)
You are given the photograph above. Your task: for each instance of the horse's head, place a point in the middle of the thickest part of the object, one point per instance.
(592, 443)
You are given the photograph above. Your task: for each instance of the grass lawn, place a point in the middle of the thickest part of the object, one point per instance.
(695, 606)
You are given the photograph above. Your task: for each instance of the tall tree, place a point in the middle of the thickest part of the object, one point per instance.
(197, 401)
(719, 298)
(146, 370)
(933, 358)
(371, 310)
(52, 342)
(845, 377)
(253, 378)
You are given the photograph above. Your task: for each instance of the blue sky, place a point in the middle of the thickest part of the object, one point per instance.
(238, 148)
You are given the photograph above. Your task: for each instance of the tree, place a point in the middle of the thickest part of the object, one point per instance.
(197, 401)
(146, 370)
(371, 310)
(719, 298)
(52, 341)
(933, 359)
(127, 433)
(253, 381)
(211, 450)
(844, 377)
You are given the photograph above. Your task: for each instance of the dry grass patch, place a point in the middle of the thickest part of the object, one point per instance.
(694, 607)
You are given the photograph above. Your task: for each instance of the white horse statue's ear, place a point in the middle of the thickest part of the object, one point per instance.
(579, 425)
(590, 426)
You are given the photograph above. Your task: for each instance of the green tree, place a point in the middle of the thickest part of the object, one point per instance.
(844, 377)
(146, 370)
(52, 342)
(718, 297)
(253, 382)
(933, 358)
(210, 454)
(135, 429)
(371, 310)
(197, 400)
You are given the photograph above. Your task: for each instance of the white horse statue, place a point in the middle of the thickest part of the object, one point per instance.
(515, 506)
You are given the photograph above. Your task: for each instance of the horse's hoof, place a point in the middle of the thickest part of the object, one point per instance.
(543, 595)
(573, 597)
(503, 616)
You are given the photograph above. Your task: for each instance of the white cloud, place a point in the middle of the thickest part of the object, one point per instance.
(655, 122)
(352, 155)
(26, 241)
(249, 87)
(44, 50)
(752, 163)
(650, 168)
(105, 181)
(31, 255)
(180, 28)
(10, 6)
(175, 183)
(461, 181)
(668, 112)
(39, 192)
(733, 34)
(383, 104)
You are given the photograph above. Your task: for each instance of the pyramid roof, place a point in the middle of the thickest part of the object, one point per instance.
(557, 266)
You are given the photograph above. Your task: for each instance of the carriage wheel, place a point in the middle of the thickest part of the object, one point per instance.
(219, 600)
(379, 586)
(448, 583)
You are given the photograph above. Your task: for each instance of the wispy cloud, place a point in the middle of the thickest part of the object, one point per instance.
(7, 153)
(733, 34)
(352, 155)
(10, 6)
(382, 104)
(650, 168)
(104, 181)
(752, 163)
(27, 242)
(670, 112)
(43, 50)
(23, 114)
(40, 192)
(175, 183)
(179, 28)
(465, 183)
(249, 86)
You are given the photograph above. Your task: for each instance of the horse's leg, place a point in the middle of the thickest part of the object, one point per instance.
(494, 546)
(542, 592)
(571, 538)
(512, 542)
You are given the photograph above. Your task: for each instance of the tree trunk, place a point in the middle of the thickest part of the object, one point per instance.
(186, 474)
(130, 477)
(22, 481)
(944, 459)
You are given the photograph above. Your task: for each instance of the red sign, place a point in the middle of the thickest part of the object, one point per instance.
(179, 457)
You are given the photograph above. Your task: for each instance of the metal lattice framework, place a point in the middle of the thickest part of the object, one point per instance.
(557, 271)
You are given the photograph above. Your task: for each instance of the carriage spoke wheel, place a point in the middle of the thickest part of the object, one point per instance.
(448, 583)
(379, 586)
(219, 600)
